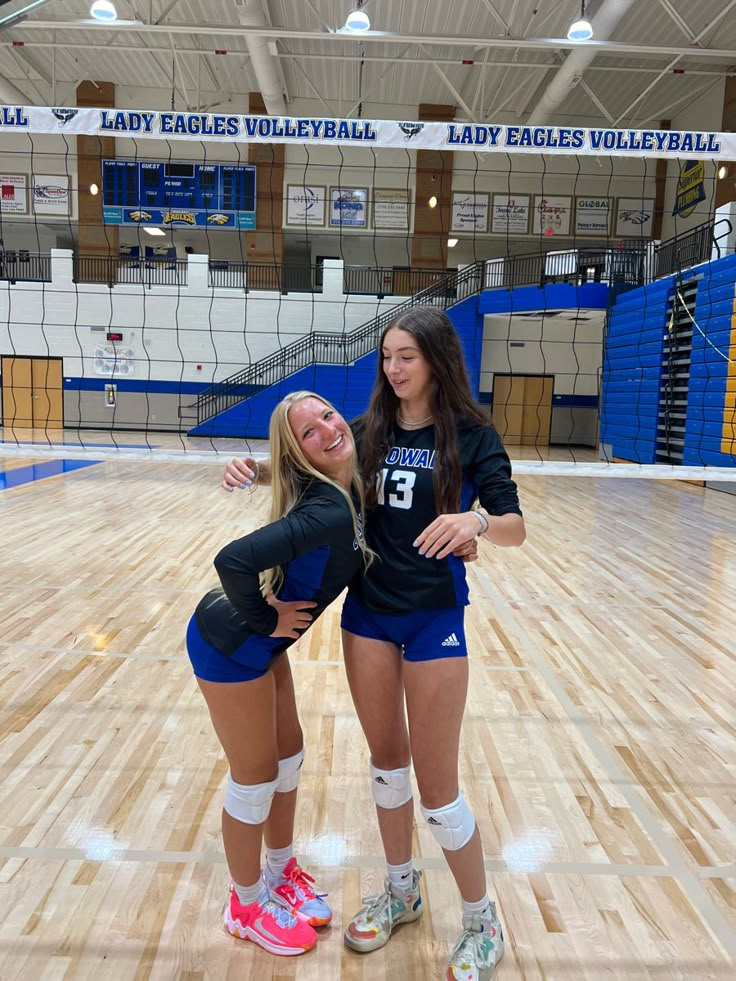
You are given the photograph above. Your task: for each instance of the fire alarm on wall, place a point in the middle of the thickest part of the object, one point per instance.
(114, 336)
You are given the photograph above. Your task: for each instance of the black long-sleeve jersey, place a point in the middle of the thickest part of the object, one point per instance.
(316, 547)
(401, 579)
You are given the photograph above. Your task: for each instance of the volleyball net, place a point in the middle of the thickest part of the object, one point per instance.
(166, 278)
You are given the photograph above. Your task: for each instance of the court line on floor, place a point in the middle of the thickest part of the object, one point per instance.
(650, 822)
(104, 853)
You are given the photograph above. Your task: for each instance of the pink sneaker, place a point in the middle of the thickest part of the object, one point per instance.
(294, 888)
(269, 925)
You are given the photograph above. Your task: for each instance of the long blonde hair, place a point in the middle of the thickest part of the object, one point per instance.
(290, 473)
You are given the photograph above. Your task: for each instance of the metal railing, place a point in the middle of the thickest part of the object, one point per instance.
(331, 348)
(114, 271)
(377, 281)
(686, 250)
(577, 266)
(22, 266)
(283, 278)
(390, 280)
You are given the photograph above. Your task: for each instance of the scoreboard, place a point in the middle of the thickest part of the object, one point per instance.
(176, 194)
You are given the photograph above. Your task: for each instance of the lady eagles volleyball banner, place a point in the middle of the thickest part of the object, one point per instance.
(147, 124)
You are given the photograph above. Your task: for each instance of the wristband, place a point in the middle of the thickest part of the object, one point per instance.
(483, 522)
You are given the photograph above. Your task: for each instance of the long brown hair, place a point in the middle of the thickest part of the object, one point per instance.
(450, 398)
(292, 472)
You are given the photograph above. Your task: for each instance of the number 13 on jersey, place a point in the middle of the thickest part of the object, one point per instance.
(402, 493)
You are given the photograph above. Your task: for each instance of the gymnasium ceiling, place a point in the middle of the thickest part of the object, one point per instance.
(493, 59)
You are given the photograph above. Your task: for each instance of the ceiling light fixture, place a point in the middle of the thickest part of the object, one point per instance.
(722, 172)
(581, 30)
(94, 189)
(152, 230)
(103, 10)
(358, 21)
(451, 243)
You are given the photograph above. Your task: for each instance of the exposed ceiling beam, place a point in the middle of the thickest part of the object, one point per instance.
(31, 62)
(479, 83)
(381, 59)
(665, 71)
(516, 93)
(555, 90)
(674, 61)
(208, 67)
(375, 85)
(617, 48)
(166, 11)
(318, 15)
(453, 90)
(42, 97)
(313, 87)
(677, 18)
(594, 98)
(496, 16)
(182, 83)
(665, 111)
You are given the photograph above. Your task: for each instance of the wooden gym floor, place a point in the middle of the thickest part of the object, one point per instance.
(599, 749)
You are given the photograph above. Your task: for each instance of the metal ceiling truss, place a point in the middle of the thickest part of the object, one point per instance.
(618, 48)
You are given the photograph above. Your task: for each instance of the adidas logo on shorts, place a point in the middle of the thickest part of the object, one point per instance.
(381, 780)
(451, 641)
(432, 820)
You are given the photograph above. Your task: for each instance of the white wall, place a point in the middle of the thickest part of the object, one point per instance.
(568, 346)
(171, 330)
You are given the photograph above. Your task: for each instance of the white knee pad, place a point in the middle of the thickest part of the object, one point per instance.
(391, 788)
(290, 771)
(452, 825)
(249, 803)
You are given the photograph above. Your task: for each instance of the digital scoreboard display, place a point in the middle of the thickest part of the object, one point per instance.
(176, 194)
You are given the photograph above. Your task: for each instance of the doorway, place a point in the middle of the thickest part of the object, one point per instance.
(522, 408)
(32, 393)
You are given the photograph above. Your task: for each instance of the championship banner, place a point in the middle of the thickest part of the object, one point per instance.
(690, 188)
(569, 140)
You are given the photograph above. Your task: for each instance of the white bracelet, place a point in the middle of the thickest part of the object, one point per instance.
(258, 470)
(483, 522)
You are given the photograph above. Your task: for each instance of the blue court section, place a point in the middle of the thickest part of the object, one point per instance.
(40, 471)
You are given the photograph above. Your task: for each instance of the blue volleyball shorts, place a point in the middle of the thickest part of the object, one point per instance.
(422, 635)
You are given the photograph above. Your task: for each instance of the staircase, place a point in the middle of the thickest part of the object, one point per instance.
(330, 347)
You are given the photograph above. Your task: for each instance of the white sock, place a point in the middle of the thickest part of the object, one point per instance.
(483, 909)
(401, 876)
(278, 858)
(249, 894)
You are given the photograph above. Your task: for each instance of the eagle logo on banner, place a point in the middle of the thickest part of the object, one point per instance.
(64, 115)
(410, 130)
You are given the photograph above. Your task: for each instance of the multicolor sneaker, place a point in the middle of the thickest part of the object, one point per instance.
(268, 924)
(293, 889)
(479, 949)
(371, 927)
